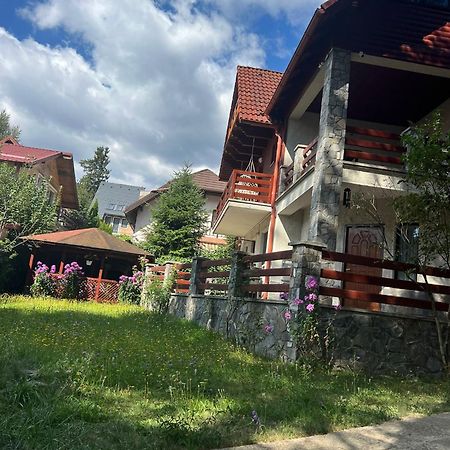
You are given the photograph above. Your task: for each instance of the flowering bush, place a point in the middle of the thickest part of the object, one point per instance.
(130, 288)
(73, 284)
(44, 285)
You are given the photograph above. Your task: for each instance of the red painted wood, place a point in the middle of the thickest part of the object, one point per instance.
(216, 262)
(354, 154)
(373, 132)
(223, 274)
(267, 272)
(374, 145)
(286, 254)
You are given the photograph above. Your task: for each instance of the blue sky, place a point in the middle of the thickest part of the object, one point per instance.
(150, 79)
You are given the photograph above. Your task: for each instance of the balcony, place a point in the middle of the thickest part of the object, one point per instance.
(244, 203)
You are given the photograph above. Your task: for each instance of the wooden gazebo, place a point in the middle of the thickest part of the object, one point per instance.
(103, 257)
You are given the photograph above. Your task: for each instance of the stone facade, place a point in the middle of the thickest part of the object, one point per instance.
(378, 343)
(326, 193)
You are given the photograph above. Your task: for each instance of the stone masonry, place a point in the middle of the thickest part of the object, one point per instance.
(328, 169)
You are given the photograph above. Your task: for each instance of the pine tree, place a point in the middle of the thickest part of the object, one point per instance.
(179, 220)
(6, 129)
(95, 170)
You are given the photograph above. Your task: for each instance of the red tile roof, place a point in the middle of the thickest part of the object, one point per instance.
(205, 179)
(12, 151)
(255, 87)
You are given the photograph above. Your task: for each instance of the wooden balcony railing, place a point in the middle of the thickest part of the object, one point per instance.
(247, 186)
(373, 146)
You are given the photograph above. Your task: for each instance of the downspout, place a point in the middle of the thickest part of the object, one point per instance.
(273, 196)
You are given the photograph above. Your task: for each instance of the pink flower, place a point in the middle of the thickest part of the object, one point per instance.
(284, 296)
(310, 307)
(337, 307)
(287, 315)
(311, 297)
(268, 328)
(297, 301)
(53, 269)
(311, 283)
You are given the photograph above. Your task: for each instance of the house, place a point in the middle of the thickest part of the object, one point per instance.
(139, 213)
(112, 200)
(301, 144)
(52, 167)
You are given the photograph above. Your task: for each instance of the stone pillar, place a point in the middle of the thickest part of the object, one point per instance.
(195, 275)
(306, 260)
(236, 275)
(326, 193)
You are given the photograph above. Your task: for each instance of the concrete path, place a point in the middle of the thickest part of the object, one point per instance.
(429, 433)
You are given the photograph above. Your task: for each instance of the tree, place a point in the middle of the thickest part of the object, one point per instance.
(6, 129)
(95, 170)
(179, 220)
(24, 210)
(87, 214)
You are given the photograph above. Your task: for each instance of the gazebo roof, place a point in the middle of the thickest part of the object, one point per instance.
(88, 238)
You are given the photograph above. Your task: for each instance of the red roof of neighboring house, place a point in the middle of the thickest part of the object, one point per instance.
(205, 179)
(11, 150)
(89, 238)
(255, 87)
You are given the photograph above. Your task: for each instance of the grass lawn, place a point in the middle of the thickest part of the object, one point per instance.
(93, 376)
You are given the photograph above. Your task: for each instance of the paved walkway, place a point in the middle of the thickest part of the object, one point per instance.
(430, 433)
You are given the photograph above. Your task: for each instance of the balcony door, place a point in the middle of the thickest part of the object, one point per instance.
(364, 241)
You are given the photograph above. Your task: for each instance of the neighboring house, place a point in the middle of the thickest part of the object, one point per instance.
(54, 168)
(112, 200)
(139, 213)
(330, 127)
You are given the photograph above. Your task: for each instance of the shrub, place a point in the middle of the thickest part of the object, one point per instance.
(44, 284)
(157, 294)
(73, 282)
(130, 289)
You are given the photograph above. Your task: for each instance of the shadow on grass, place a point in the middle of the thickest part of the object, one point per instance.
(80, 378)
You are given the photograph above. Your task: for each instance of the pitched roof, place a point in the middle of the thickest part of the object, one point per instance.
(12, 151)
(89, 238)
(205, 179)
(255, 88)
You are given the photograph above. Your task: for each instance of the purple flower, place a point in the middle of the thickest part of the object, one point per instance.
(310, 307)
(284, 296)
(287, 315)
(337, 307)
(255, 418)
(297, 301)
(268, 328)
(53, 269)
(311, 297)
(311, 283)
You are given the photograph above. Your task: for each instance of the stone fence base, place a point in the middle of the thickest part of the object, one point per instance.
(375, 342)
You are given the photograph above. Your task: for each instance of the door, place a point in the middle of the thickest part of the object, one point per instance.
(364, 241)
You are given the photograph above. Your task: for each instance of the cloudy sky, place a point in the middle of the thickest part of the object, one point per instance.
(151, 79)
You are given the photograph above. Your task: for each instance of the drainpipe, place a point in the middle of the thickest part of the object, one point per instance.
(273, 195)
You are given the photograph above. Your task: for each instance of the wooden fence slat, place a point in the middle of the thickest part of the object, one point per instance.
(216, 263)
(383, 263)
(286, 254)
(224, 274)
(383, 281)
(374, 133)
(213, 286)
(380, 298)
(267, 272)
(354, 154)
(377, 145)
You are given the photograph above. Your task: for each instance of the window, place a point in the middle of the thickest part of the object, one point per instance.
(124, 223)
(120, 207)
(407, 248)
(112, 206)
(107, 219)
(116, 224)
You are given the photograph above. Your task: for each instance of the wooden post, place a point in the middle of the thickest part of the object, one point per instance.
(29, 277)
(99, 279)
(61, 263)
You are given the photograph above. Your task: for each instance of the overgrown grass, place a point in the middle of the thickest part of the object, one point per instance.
(85, 376)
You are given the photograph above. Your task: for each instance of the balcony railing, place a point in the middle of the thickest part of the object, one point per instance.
(247, 186)
(308, 159)
(373, 146)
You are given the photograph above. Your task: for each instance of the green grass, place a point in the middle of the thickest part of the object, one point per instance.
(92, 376)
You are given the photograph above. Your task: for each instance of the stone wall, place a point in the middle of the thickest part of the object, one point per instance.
(375, 342)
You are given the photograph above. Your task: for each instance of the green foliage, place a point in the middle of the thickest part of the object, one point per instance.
(157, 294)
(43, 285)
(106, 227)
(220, 252)
(428, 167)
(178, 220)
(87, 214)
(25, 210)
(95, 170)
(6, 129)
(99, 376)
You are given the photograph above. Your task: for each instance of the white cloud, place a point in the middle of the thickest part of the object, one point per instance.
(156, 88)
